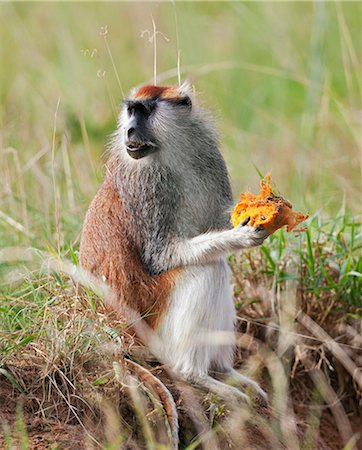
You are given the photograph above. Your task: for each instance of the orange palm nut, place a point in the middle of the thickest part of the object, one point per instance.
(266, 209)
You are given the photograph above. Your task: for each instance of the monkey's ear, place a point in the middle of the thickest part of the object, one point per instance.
(185, 89)
(133, 91)
(184, 101)
(187, 92)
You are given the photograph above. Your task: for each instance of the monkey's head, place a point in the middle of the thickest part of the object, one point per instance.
(169, 170)
(161, 121)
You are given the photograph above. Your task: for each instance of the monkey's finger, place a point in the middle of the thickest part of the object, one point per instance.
(245, 222)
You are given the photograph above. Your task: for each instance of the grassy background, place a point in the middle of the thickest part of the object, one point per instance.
(284, 82)
(282, 79)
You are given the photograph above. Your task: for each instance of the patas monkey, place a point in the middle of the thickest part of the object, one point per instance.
(158, 231)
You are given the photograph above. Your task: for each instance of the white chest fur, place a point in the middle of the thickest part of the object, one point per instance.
(201, 307)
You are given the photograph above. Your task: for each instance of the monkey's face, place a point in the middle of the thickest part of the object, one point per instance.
(139, 136)
(149, 115)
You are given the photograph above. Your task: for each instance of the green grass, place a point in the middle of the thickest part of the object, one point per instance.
(331, 255)
(284, 82)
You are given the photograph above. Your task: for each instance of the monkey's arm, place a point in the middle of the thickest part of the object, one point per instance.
(210, 246)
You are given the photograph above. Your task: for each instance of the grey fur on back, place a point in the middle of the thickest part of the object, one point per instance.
(181, 191)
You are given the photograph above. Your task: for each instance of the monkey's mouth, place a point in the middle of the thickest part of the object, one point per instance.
(137, 149)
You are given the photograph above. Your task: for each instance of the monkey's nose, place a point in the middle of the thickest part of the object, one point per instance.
(130, 132)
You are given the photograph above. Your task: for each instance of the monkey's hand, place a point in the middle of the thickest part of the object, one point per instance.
(211, 246)
(245, 237)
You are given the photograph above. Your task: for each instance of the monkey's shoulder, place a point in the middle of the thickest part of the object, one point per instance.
(104, 228)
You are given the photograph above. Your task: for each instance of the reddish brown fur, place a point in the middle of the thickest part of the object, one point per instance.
(163, 92)
(106, 250)
(145, 376)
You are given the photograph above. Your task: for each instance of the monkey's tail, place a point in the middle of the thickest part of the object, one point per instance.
(164, 395)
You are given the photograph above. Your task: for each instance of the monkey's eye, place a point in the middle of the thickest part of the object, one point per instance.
(185, 101)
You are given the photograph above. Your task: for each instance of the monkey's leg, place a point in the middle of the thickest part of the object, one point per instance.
(209, 247)
(225, 391)
(234, 378)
